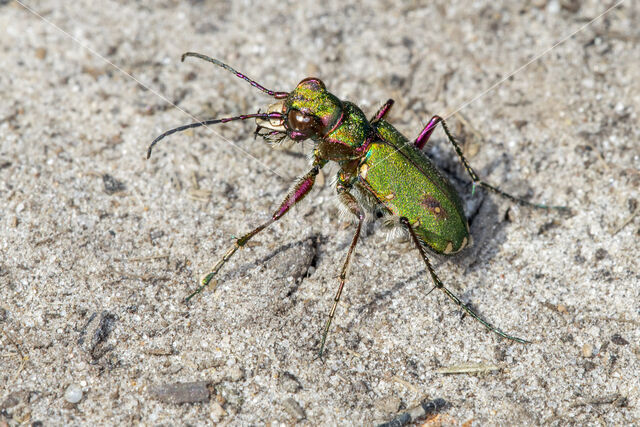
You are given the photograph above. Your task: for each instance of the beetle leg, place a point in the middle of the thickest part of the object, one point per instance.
(438, 284)
(351, 203)
(298, 192)
(424, 137)
(383, 111)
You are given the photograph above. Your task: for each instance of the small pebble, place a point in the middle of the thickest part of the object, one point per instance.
(513, 213)
(295, 261)
(553, 7)
(290, 383)
(601, 254)
(217, 412)
(587, 350)
(389, 405)
(294, 409)
(41, 53)
(588, 83)
(229, 393)
(618, 340)
(73, 394)
(570, 5)
(235, 374)
(179, 393)
(112, 185)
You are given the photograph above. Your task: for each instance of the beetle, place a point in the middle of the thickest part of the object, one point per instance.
(380, 170)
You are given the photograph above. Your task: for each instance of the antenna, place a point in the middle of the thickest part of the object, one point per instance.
(277, 95)
(213, 122)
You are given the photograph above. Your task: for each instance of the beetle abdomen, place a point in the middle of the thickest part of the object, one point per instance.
(408, 185)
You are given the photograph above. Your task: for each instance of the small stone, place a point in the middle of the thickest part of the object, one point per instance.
(587, 350)
(294, 409)
(500, 354)
(553, 7)
(389, 405)
(360, 387)
(112, 185)
(41, 53)
(588, 83)
(295, 260)
(178, 393)
(230, 394)
(94, 335)
(570, 5)
(601, 253)
(235, 374)
(73, 394)
(512, 214)
(217, 412)
(290, 383)
(562, 309)
(618, 340)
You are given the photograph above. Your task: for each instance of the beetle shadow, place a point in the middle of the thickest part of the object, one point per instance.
(485, 211)
(309, 243)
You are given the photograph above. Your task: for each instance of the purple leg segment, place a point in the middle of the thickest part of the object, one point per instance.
(300, 190)
(424, 136)
(383, 110)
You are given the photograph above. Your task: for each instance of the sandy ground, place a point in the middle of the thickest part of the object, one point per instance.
(100, 246)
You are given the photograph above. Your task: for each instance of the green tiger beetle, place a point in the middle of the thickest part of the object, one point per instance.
(380, 169)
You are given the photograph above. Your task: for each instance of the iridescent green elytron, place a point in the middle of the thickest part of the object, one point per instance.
(408, 186)
(380, 170)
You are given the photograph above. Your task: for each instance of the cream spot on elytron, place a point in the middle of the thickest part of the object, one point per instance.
(449, 248)
(363, 170)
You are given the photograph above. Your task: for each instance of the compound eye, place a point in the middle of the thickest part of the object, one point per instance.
(300, 122)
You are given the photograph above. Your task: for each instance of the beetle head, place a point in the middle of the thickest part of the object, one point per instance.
(309, 111)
